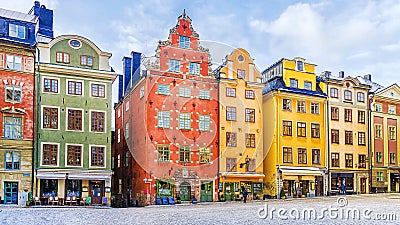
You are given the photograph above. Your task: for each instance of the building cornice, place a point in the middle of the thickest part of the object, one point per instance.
(57, 69)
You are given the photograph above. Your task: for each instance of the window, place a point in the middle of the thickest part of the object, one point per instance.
(379, 176)
(163, 153)
(231, 113)
(334, 93)
(378, 107)
(126, 131)
(240, 74)
(300, 65)
(316, 156)
(98, 90)
(50, 85)
(392, 109)
(50, 155)
(50, 118)
(348, 137)
(349, 160)
(307, 85)
(362, 159)
(204, 94)
(97, 156)
(141, 92)
(378, 131)
(378, 157)
(287, 128)
(250, 115)
(314, 108)
(194, 68)
(174, 65)
(287, 104)
(204, 155)
(348, 115)
(184, 42)
(98, 121)
(231, 92)
(13, 160)
(315, 128)
(62, 57)
(163, 119)
(250, 140)
(360, 97)
(74, 88)
(86, 60)
(334, 113)
(184, 154)
(184, 121)
(293, 83)
(361, 138)
(335, 136)
(347, 95)
(163, 89)
(301, 106)
(184, 92)
(204, 123)
(12, 127)
(302, 155)
(335, 159)
(74, 153)
(301, 129)
(119, 135)
(13, 93)
(17, 31)
(361, 116)
(231, 139)
(249, 94)
(74, 119)
(287, 155)
(392, 157)
(392, 133)
(231, 165)
(14, 62)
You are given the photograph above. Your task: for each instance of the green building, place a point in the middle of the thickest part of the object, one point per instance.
(73, 92)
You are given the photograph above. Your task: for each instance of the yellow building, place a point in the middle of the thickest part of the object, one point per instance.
(241, 144)
(348, 140)
(294, 123)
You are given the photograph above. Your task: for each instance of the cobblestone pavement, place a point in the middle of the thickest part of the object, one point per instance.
(372, 209)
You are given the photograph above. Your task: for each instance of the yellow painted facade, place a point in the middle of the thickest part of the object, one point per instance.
(348, 141)
(241, 144)
(294, 126)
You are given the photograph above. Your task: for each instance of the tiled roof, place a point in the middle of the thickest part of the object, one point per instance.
(18, 15)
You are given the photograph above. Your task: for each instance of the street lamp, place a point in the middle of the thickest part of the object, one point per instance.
(246, 162)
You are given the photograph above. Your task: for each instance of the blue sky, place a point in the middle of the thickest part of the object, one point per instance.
(359, 37)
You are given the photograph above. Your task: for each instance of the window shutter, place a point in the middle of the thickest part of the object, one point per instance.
(28, 64)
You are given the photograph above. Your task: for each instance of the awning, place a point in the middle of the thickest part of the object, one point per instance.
(249, 175)
(289, 177)
(307, 178)
(89, 177)
(302, 172)
(56, 176)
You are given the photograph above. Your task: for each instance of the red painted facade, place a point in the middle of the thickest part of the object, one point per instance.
(139, 117)
(378, 142)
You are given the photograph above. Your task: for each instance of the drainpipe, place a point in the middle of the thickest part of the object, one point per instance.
(327, 157)
(36, 95)
(369, 128)
(33, 49)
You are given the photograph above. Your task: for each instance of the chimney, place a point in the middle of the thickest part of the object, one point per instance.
(127, 72)
(341, 74)
(327, 74)
(136, 58)
(368, 77)
(45, 24)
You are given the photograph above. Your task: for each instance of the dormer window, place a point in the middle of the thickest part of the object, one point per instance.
(17, 31)
(86, 60)
(293, 83)
(184, 42)
(62, 57)
(307, 85)
(299, 65)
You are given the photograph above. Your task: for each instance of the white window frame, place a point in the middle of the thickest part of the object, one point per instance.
(51, 78)
(97, 83)
(194, 68)
(9, 56)
(184, 92)
(204, 123)
(90, 121)
(104, 159)
(204, 94)
(15, 33)
(41, 153)
(66, 155)
(66, 119)
(174, 66)
(58, 117)
(13, 88)
(166, 86)
(67, 85)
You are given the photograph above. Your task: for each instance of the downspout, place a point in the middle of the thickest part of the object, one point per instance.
(36, 94)
(327, 157)
(219, 139)
(369, 128)
(33, 49)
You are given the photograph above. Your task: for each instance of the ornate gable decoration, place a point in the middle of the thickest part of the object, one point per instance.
(186, 18)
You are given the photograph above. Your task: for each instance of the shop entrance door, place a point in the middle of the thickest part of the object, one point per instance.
(319, 186)
(229, 192)
(11, 192)
(185, 191)
(96, 191)
(206, 191)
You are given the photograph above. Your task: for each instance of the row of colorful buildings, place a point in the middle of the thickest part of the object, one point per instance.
(55, 111)
(183, 129)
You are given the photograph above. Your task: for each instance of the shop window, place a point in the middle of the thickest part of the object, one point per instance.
(48, 187)
(73, 188)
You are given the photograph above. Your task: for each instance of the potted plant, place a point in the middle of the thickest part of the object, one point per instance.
(303, 192)
(283, 194)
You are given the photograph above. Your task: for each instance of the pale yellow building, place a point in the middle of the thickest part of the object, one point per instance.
(294, 124)
(241, 144)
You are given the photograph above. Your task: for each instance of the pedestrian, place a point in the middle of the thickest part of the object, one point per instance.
(299, 192)
(343, 187)
(245, 195)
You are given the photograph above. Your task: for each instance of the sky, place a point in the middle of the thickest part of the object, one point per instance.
(359, 36)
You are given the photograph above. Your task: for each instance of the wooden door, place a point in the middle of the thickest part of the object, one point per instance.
(96, 191)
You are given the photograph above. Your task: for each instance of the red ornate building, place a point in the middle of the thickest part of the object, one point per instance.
(167, 122)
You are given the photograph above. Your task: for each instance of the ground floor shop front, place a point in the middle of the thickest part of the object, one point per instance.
(349, 182)
(385, 179)
(15, 185)
(71, 187)
(232, 184)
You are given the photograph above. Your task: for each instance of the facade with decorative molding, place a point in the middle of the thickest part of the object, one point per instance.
(73, 89)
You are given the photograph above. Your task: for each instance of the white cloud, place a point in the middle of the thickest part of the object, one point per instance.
(25, 5)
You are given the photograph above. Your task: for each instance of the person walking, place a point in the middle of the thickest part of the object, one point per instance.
(245, 193)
